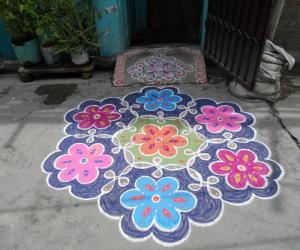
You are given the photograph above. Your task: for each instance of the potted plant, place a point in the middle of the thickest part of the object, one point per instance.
(77, 33)
(48, 48)
(19, 17)
(50, 12)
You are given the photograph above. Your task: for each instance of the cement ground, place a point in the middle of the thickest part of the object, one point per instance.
(36, 217)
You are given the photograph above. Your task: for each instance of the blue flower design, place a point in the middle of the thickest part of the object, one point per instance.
(164, 99)
(158, 203)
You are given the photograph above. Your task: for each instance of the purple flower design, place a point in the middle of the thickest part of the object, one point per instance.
(160, 68)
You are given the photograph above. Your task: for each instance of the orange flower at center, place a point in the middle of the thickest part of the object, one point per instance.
(163, 140)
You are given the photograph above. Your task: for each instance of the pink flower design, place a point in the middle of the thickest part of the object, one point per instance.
(218, 119)
(100, 117)
(82, 163)
(241, 169)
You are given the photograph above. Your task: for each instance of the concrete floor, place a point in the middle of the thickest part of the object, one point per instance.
(36, 217)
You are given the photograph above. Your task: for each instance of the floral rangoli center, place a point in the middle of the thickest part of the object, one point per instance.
(157, 142)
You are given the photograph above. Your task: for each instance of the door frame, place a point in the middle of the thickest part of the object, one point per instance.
(236, 36)
(122, 19)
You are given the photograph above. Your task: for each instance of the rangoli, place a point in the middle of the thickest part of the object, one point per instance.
(160, 161)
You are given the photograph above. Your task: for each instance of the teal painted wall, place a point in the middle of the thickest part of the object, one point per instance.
(5, 46)
(204, 13)
(120, 20)
(112, 26)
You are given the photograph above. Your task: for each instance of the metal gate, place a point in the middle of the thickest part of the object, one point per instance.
(236, 34)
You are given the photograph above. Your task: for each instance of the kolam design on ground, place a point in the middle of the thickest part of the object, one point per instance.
(160, 161)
